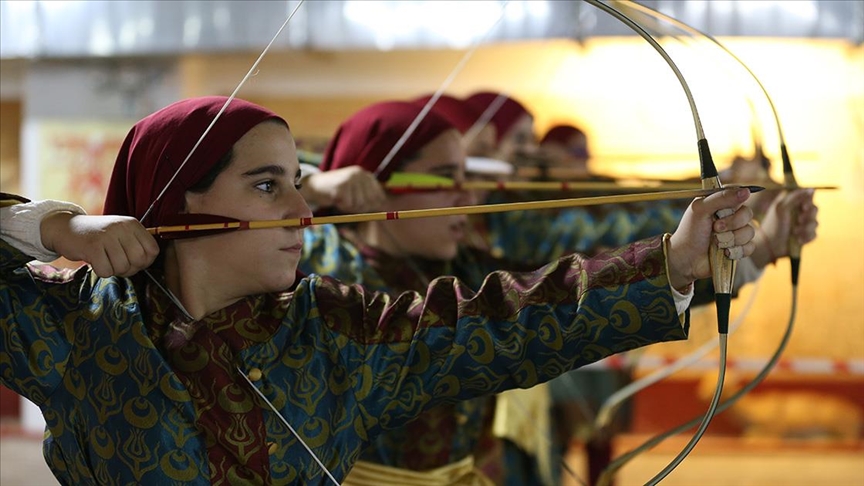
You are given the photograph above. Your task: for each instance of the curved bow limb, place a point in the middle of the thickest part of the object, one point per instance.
(793, 246)
(722, 267)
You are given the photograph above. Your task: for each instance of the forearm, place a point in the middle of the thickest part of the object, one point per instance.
(21, 226)
(314, 198)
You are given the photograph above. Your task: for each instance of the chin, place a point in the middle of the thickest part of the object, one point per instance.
(281, 282)
(446, 253)
(280, 286)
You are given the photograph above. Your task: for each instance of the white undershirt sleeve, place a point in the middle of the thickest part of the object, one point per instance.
(20, 226)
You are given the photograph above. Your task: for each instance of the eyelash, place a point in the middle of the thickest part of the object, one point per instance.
(270, 184)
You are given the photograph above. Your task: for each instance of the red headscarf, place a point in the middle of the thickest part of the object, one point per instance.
(158, 144)
(367, 137)
(505, 117)
(561, 134)
(456, 111)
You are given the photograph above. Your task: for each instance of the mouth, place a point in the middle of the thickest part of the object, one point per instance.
(458, 231)
(293, 249)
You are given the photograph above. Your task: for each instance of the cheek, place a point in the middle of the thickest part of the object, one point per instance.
(423, 201)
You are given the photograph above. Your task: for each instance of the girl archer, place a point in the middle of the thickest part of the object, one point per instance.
(196, 371)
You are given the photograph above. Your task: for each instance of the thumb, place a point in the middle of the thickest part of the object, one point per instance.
(726, 199)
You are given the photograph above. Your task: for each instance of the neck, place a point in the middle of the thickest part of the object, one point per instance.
(191, 283)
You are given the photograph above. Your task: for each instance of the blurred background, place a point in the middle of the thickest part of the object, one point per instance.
(75, 76)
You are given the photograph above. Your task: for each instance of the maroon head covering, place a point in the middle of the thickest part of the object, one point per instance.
(157, 145)
(561, 134)
(504, 117)
(367, 137)
(459, 113)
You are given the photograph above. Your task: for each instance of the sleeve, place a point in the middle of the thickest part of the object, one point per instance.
(307, 169)
(326, 252)
(408, 353)
(547, 235)
(20, 225)
(34, 348)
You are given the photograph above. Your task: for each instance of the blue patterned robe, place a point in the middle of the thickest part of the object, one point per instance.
(132, 394)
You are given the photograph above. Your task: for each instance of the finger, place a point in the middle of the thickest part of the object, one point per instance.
(744, 235)
(739, 252)
(359, 200)
(733, 221)
(101, 264)
(378, 194)
(806, 234)
(365, 198)
(149, 244)
(795, 199)
(137, 255)
(344, 199)
(735, 253)
(117, 257)
(725, 239)
(725, 199)
(806, 215)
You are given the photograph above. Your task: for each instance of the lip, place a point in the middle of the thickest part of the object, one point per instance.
(294, 249)
(457, 231)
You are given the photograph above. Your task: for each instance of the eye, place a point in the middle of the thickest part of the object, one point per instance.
(266, 186)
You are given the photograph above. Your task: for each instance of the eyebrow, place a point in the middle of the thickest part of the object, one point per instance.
(266, 169)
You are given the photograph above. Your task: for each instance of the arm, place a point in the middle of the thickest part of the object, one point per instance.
(36, 300)
(327, 252)
(547, 235)
(408, 353)
(519, 329)
(349, 189)
(21, 224)
(34, 347)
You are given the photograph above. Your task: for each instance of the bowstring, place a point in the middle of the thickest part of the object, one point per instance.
(440, 91)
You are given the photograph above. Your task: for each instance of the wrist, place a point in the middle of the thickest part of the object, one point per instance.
(677, 269)
(763, 253)
(51, 225)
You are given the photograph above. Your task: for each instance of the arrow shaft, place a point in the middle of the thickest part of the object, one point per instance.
(448, 211)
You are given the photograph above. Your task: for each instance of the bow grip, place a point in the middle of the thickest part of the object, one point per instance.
(722, 267)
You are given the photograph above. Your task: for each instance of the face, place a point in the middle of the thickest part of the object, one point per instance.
(433, 238)
(482, 144)
(573, 154)
(519, 141)
(260, 183)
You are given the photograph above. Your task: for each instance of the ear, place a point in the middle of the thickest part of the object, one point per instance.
(191, 202)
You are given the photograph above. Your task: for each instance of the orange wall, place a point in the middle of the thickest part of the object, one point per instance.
(10, 147)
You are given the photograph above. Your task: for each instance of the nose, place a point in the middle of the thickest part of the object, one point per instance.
(529, 147)
(297, 206)
(467, 198)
